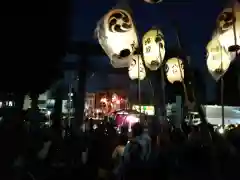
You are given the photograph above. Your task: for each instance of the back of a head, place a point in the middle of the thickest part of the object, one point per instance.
(137, 129)
(177, 136)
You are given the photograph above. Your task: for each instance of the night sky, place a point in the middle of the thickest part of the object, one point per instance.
(196, 19)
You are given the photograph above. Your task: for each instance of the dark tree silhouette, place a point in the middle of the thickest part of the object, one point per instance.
(32, 44)
(32, 38)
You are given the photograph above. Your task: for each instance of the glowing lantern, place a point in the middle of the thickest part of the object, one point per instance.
(117, 36)
(134, 71)
(153, 49)
(225, 21)
(218, 60)
(153, 1)
(174, 70)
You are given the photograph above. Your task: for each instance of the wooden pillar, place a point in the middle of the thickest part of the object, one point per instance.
(159, 85)
(80, 95)
(157, 101)
(57, 112)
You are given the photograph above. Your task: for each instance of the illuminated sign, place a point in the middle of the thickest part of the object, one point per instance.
(148, 110)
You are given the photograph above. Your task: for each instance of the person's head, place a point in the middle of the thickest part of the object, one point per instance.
(137, 129)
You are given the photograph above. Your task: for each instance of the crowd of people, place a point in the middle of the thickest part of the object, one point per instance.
(192, 152)
(189, 152)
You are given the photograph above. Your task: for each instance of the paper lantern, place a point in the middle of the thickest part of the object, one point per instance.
(153, 49)
(117, 36)
(218, 59)
(174, 70)
(153, 1)
(134, 71)
(225, 22)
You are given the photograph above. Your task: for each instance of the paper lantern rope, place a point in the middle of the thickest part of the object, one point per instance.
(174, 68)
(134, 63)
(160, 41)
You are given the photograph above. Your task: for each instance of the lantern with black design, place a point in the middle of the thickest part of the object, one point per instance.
(153, 48)
(136, 68)
(174, 69)
(218, 59)
(228, 28)
(117, 36)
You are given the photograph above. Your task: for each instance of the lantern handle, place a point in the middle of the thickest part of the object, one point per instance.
(163, 83)
(197, 105)
(125, 4)
(179, 65)
(222, 89)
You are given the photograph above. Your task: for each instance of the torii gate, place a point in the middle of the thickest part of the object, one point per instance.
(84, 50)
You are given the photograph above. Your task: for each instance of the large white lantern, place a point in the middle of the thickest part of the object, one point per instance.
(153, 49)
(174, 70)
(225, 21)
(117, 36)
(134, 71)
(218, 59)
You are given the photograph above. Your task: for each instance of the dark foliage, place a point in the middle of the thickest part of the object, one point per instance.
(32, 43)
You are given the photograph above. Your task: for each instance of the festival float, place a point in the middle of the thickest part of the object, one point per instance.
(112, 104)
(125, 118)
